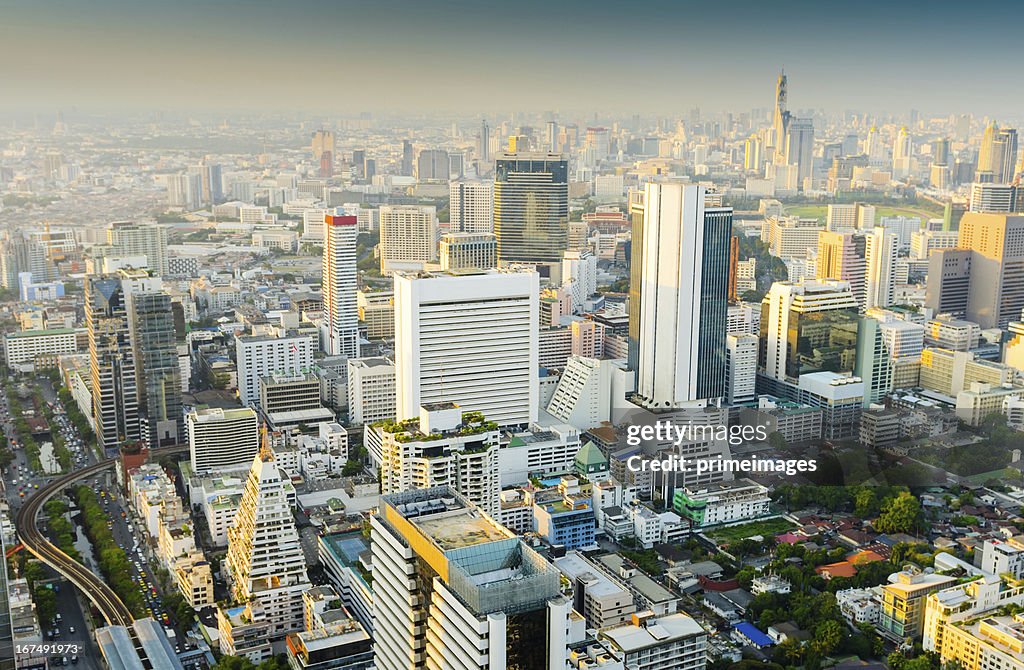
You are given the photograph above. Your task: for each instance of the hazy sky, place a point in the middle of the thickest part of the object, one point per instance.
(648, 57)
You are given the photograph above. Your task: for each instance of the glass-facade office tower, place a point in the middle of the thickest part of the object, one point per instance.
(683, 274)
(111, 362)
(157, 371)
(531, 207)
(808, 326)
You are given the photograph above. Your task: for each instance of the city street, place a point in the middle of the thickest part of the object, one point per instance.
(19, 478)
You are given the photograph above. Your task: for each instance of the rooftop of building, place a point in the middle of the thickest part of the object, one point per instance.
(1003, 633)
(40, 333)
(445, 518)
(590, 454)
(652, 633)
(368, 363)
(209, 414)
(644, 585)
(910, 583)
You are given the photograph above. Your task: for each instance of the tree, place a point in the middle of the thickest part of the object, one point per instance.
(234, 663)
(777, 441)
(901, 514)
(179, 609)
(789, 652)
(827, 636)
(865, 503)
(46, 602)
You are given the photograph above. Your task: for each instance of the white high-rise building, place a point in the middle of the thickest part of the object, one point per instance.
(579, 274)
(182, 191)
(471, 206)
(408, 237)
(841, 218)
(265, 564)
(258, 356)
(468, 250)
(313, 225)
(744, 317)
(683, 296)
(924, 242)
(371, 390)
(741, 367)
(880, 251)
(453, 588)
(222, 439)
(470, 339)
(999, 198)
(134, 239)
(865, 217)
(902, 155)
(341, 315)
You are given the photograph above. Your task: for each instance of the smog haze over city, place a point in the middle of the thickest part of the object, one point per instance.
(461, 56)
(451, 335)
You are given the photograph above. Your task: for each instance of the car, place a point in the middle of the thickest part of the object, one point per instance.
(74, 660)
(64, 661)
(71, 630)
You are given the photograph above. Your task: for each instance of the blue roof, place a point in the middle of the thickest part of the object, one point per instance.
(752, 633)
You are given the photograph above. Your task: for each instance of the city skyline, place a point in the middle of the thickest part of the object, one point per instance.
(199, 57)
(318, 353)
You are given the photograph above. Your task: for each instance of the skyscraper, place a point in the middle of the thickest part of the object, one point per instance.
(258, 356)
(470, 338)
(997, 267)
(997, 156)
(873, 364)
(134, 239)
(683, 297)
(264, 563)
(993, 197)
(408, 236)
(407, 161)
(222, 439)
(113, 376)
(780, 118)
(471, 206)
(531, 208)
(793, 137)
(210, 186)
(1004, 155)
(800, 147)
(880, 251)
(341, 317)
(485, 142)
(432, 165)
(446, 447)
(949, 281)
(452, 583)
(323, 149)
(157, 371)
(902, 151)
(841, 257)
(808, 326)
